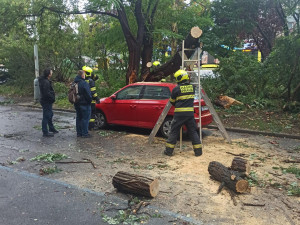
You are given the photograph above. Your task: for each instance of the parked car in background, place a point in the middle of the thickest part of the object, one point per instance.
(140, 105)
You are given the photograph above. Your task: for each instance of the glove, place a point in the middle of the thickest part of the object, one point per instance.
(98, 101)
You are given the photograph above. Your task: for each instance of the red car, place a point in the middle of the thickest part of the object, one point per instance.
(140, 105)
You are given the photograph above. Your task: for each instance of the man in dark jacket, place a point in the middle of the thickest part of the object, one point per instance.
(47, 99)
(83, 106)
(182, 97)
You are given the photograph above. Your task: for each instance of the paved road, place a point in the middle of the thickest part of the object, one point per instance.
(27, 198)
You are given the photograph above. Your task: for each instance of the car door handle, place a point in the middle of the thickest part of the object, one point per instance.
(158, 107)
(133, 106)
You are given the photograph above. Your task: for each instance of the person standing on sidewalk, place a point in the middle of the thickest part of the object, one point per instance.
(83, 106)
(182, 97)
(47, 99)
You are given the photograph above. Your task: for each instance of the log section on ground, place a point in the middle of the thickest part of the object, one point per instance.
(170, 67)
(135, 184)
(241, 165)
(231, 178)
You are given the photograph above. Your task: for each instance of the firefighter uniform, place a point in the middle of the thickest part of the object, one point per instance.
(95, 99)
(182, 98)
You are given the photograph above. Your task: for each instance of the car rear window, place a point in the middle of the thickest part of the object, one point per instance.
(156, 92)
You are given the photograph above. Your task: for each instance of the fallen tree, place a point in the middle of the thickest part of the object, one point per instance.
(190, 42)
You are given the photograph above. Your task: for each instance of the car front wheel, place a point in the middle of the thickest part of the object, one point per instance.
(166, 127)
(100, 120)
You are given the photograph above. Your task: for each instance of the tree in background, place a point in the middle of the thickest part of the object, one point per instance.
(138, 20)
(260, 20)
(284, 65)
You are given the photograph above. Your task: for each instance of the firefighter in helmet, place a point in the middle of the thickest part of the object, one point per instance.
(156, 63)
(90, 78)
(182, 97)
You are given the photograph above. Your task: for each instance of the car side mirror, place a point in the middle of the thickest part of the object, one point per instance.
(113, 97)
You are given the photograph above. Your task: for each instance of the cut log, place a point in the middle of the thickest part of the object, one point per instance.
(241, 165)
(149, 64)
(226, 101)
(135, 184)
(231, 178)
(191, 42)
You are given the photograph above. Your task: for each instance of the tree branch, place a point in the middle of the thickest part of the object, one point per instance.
(55, 10)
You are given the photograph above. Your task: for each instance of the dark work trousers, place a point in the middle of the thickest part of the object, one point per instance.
(93, 116)
(47, 118)
(177, 123)
(83, 114)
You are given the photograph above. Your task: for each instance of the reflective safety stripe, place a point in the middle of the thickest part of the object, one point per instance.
(170, 145)
(185, 97)
(172, 100)
(93, 89)
(197, 146)
(92, 120)
(95, 95)
(88, 81)
(188, 109)
(93, 101)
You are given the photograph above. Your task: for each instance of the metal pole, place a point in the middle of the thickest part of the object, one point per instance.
(36, 94)
(199, 95)
(36, 60)
(182, 67)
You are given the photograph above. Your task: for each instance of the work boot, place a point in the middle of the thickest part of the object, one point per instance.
(86, 136)
(54, 131)
(169, 151)
(198, 151)
(48, 135)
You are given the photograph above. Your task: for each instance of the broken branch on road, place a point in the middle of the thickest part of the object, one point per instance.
(87, 161)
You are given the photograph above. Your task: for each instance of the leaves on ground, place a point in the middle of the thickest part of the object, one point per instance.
(49, 157)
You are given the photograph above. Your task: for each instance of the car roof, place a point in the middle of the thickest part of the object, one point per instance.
(165, 84)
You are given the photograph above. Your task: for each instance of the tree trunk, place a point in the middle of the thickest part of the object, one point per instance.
(147, 52)
(296, 93)
(134, 43)
(170, 67)
(135, 184)
(241, 165)
(133, 64)
(231, 178)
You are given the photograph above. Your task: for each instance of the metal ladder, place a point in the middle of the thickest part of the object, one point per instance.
(195, 80)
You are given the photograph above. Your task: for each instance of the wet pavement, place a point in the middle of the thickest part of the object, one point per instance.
(30, 199)
(80, 194)
(27, 198)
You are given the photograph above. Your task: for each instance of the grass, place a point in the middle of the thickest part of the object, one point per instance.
(14, 90)
(294, 189)
(292, 170)
(261, 120)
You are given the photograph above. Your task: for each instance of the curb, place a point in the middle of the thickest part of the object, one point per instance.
(240, 130)
(32, 105)
(232, 129)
